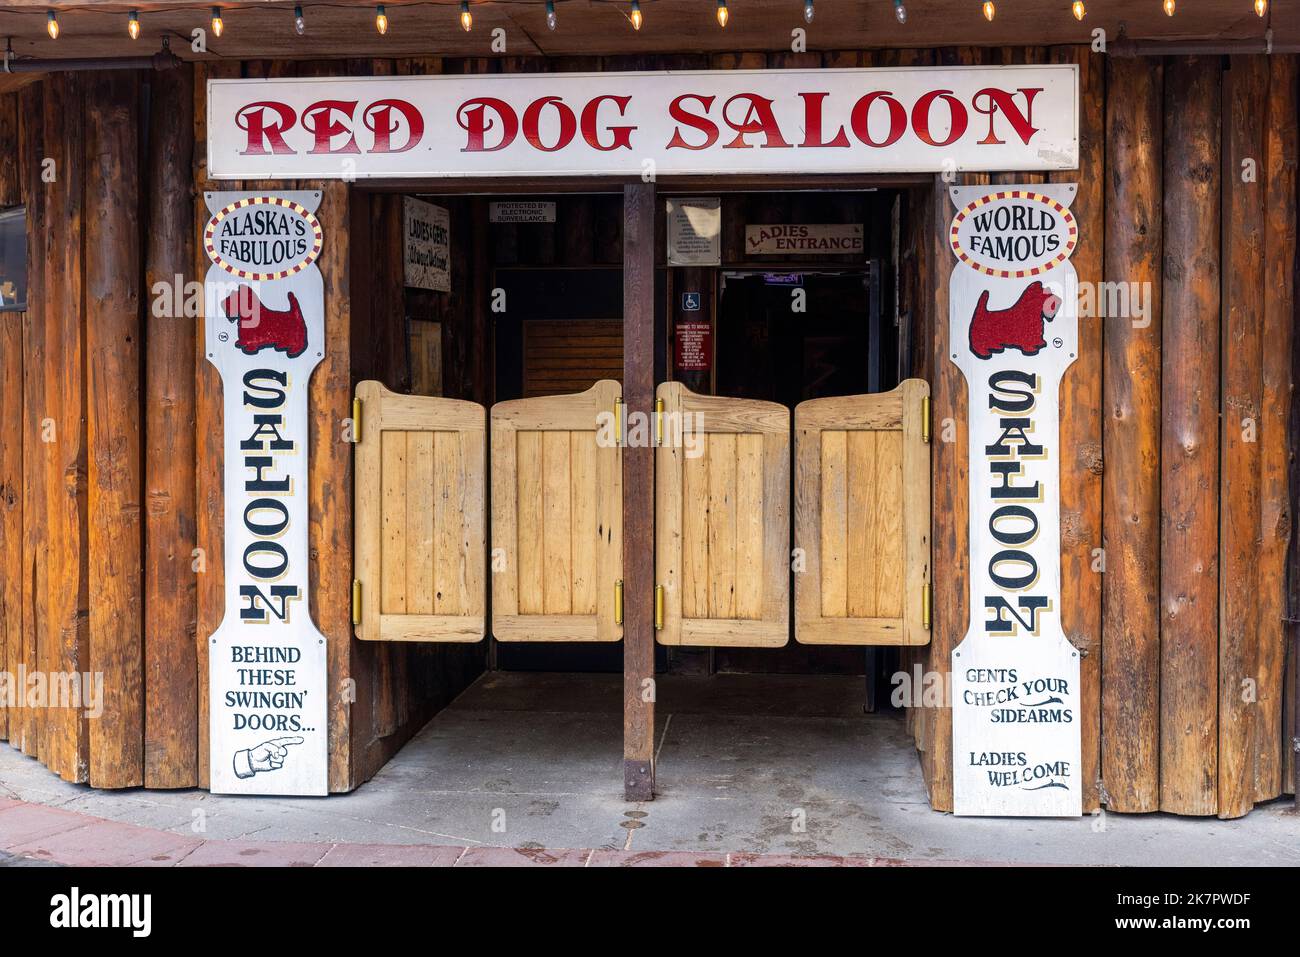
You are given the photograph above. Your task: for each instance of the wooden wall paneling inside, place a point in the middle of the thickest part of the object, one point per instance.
(113, 335)
(1190, 439)
(1131, 417)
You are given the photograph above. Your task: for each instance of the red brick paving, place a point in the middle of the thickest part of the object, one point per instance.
(67, 837)
(522, 857)
(390, 855)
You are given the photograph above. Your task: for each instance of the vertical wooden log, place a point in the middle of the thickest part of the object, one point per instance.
(329, 479)
(112, 338)
(638, 494)
(1081, 422)
(1130, 677)
(171, 676)
(32, 128)
(1278, 177)
(1245, 90)
(66, 582)
(11, 439)
(950, 503)
(209, 428)
(1190, 439)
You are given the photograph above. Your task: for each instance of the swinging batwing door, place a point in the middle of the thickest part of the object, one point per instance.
(862, 519)
(420, 521)
(557, 517)
(722, 524)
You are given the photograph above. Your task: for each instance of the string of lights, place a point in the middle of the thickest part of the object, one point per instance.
(217, 23)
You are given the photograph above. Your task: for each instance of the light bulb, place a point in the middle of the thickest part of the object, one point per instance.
(723, 13)
(217, 24)
(52, 25)
(466, 18)
(990, 11)
(299, 22)
(900, 11)
(133, 25)
(381, 19)
(635, 16)
(1261, 7)
(807, 11)
(1169, 7)
(1078, 10)
(551, 19)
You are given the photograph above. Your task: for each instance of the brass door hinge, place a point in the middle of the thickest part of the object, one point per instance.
(356, 601)
(356, 421)
(618, 421)
(659, 607)
(926, 607)
(925, 419)
(618, 602)
(659, 422)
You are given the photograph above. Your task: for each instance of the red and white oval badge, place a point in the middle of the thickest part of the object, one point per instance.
(263, 238)
(1013, 234)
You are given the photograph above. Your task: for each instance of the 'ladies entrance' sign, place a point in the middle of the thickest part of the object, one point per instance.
(264, 331)
(1013, 331)
(646, 124)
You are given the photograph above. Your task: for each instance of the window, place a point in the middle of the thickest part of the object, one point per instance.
(13, 260)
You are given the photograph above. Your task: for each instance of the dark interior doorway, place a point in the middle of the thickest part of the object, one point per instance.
(790, 336)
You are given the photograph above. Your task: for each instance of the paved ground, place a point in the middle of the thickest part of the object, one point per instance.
(748, 765)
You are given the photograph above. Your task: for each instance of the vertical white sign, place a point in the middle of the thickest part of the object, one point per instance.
(1013, 331)
(264, 333)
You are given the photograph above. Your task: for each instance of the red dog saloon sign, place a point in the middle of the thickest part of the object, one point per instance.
(264, 333)
(1013, 331)
(705, 122)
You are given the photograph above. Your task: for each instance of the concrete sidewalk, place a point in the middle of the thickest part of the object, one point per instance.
(751, 769)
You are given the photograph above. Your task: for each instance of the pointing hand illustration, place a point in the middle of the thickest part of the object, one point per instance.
(267, 756)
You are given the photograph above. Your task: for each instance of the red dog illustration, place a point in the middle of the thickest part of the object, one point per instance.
(1018, 327)
(262, 328)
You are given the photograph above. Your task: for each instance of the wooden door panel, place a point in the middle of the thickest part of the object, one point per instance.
(722, 539)
(419, 487)
(557, 518)
(862, 518)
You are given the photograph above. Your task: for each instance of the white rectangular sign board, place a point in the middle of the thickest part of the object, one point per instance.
(913, 119)
(1013, 331)
(264, 331)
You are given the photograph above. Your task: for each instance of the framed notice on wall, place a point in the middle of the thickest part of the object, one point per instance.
(695, 232)
(426, 245)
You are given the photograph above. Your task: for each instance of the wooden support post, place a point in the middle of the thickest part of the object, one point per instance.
(638, 495)
(171, 742)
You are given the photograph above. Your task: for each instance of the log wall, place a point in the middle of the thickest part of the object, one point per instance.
(1175, 510)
